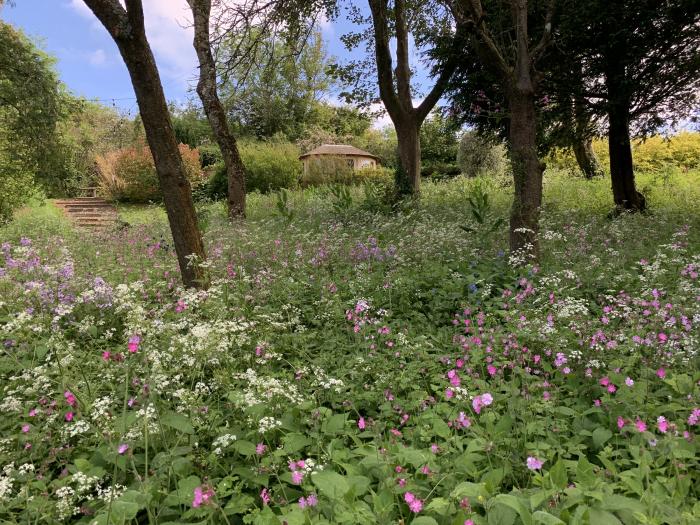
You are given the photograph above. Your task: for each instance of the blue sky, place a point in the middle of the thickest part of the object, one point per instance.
(89, 62)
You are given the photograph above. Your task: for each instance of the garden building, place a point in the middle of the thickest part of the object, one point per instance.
(350, 156)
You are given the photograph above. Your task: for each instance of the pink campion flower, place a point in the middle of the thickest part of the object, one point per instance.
(448, 393)
(491, 370)
(180, 306)
(69, 416)
(401, 482)
(361, 423)
(302, 502)
(454, 378)
(481, 401)
(415, 504)
(25, 428)
(662, 424)
(396, 432)
(106, 355)
(546, 395)
(265, 496)
(604, 381)
(134, 342)
(70, 397)
(434, 448)
(641, 425)
(463, 420)
(468, 522)
(612, 388)
(629, 382)
(32, 412)
(694, 417)
(534, 463)
(122, 448)
(398, 469)
(311, 500)
(260, 449)
(425, 470)
(596, 402)
(297, 477)
(620, 422)
(661, 373)
(662, 337)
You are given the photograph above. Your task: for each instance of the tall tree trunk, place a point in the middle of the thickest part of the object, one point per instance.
(586, 157)
(207, 91)
(408, 138)
(625, 193)
(527, 174)
(126, 26)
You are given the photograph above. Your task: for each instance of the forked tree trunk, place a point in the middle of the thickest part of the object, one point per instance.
(625, 193)
(527, 175)
(126, 26)
(207, 91)
(586, 158)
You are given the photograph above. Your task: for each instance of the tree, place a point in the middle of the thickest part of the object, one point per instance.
(636, 63)
(508, 40)
(126, 26)
(30, 110)
(279, 88)
(395, 88)
(207, 91)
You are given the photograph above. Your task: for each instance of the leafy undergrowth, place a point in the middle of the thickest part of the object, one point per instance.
(350, 367)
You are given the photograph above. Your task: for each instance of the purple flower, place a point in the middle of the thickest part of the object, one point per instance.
(534, 463)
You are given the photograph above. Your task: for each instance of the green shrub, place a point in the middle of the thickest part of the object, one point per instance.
(479, 155)
(209, 155)
(129, 174)
(270, 166)
(16, 187)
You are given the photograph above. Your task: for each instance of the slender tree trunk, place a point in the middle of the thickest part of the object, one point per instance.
(527, 174)
(586, 158)
(625, 193)
(127, 29)
(207, 91)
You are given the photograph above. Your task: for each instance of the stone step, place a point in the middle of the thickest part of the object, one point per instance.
(91, 213)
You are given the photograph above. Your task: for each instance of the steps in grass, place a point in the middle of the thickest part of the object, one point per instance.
(93, 213)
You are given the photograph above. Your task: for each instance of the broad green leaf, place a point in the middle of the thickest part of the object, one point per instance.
(177, 421)
(438, 506)
(584, 472)
(518, 505)
(546, 519)
(424, 520)
(600, 436)
(295, 442)
(558, 475)
(602, 517)
(331, 483)
(469, 490)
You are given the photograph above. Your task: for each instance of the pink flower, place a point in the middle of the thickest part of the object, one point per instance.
(468, 522)
(69, 416)
(134, 342)
(694, 417)
(396, 432)
(260, 449)
(297, 477)
(122, 448)
(434, 448)
(265, 496)
(604, 381)
(32, 412)
(533, 463)
(661, 372)
(612, 388)
(463, 420)
(448, 393)
(106, 355)
(481, 401)
(70, 397)
(311, 500)
(620, 422)
(662, 424)
(491, 370)
(361, 423)
(415, 504)
(25, 428)
(641, 425)
(201, 497)
(629, 382)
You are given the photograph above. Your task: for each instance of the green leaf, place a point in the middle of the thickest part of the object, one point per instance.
(600, 436)
(584, 472)
(177, 421)
(295, 442)
(602, 517)
(615, 502)
(517, 505)
(331, 484)
(500, 514)
(438, 506)
(335, 424)
(424, 520)
(546, 519)
(558, 475)
(469, 490)
(244, 448)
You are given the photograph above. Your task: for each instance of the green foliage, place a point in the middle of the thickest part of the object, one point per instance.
(480, 155)
(482, 210)
(270, 166)
(439, 145)
(190, 125)
(30, 107)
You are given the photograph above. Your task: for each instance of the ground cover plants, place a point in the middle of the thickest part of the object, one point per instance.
(351, 366)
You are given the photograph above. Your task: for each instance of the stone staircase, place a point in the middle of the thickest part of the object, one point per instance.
(93, 213)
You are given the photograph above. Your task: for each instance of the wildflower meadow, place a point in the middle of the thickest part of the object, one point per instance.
(350, 366)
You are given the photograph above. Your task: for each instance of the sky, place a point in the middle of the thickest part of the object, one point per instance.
(89, 63)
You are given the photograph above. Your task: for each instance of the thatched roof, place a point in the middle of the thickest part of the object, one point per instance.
(338, 150)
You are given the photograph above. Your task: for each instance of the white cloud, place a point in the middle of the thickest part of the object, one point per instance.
(170, 33)
(97, 57)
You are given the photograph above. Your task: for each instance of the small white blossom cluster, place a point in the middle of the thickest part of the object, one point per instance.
(223, 442)
(268, 423)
